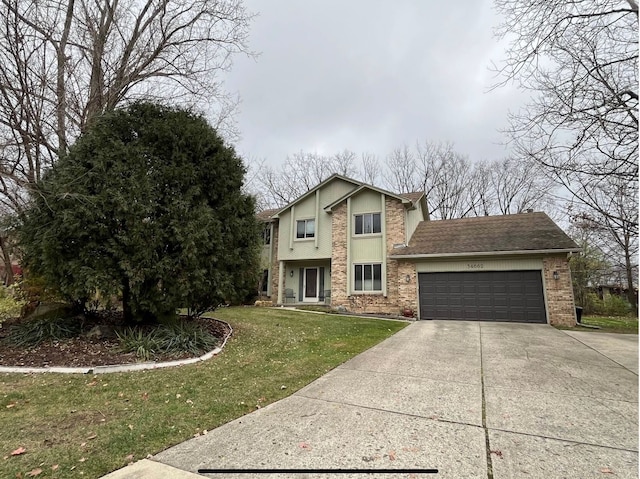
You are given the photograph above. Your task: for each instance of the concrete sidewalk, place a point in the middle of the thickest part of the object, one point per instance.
(485, 400)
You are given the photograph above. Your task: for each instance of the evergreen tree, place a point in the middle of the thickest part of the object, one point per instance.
(148, 204)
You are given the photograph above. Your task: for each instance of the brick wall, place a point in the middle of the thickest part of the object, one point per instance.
(396, 285)
(275, 264)
(408, 291)
(339, 256)
(559, 292)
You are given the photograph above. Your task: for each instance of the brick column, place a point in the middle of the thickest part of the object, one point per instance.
(559, 292)
(339, 256)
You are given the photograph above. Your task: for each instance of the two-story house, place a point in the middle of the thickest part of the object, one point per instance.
(368, 250)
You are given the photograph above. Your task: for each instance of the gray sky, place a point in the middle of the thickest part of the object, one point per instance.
(370, 75)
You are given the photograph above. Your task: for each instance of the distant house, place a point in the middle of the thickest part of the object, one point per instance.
(368, 250)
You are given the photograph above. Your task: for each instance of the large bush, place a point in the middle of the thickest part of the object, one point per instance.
(147, 204)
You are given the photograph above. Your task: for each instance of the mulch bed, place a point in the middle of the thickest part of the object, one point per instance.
(84, 352)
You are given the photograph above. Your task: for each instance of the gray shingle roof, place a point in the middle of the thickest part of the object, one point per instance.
(519, 232)
(265, 215)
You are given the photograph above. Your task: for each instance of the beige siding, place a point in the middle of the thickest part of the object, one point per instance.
(480, 264)
(414, 217)
(366, 202)
(312, 207)
(366, 249)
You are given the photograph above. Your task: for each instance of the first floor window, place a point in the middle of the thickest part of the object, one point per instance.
(367, 277)
(305, 229)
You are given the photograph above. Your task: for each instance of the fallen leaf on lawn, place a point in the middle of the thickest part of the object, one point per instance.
(606, 470)
(145, 396)
(82, 444)
(129, 458)
(130, 426)
(82, 459)
(178, 396)
(120, 395)
(92, 383)
(93, 436)
(11, 405)
(17, 452)
(34, 472)
(55, 467)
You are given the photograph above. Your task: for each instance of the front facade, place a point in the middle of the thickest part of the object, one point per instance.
(367, 250)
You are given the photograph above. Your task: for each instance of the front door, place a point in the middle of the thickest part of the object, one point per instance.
(310, 285)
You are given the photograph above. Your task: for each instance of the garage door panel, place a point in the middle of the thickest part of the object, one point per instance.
(485, 296)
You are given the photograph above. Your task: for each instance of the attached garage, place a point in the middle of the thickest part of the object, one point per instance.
(515, 296)
(494, 268)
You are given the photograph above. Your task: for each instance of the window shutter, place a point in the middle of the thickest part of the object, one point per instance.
(321, 285)
(301, 285)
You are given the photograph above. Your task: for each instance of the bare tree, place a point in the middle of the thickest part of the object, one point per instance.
(299, 173)
(447, 176)
(370, 168)
(63, 63)
(518, 185)
(614, 224)
(580, 58)
(403, 174)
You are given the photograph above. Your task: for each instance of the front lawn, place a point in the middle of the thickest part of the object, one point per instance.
(608, 324)
(86, 426)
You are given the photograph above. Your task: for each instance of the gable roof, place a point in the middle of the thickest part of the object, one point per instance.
(313, 190)
(265, 215)
(364, 186)
(509, 234)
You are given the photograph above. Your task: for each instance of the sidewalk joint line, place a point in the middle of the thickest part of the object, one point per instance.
(484, 412)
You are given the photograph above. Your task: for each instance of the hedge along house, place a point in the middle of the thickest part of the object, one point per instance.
(353, 245)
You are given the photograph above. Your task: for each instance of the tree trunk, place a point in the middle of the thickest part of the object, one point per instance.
(126, 302)
(631, 292)
(6, 259)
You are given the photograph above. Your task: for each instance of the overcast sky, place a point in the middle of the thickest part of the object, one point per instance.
(369, 76)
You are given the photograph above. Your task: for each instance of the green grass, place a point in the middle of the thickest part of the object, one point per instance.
(611, 324)
(86, 426)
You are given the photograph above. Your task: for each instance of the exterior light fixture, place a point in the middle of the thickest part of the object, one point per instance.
(407, 278)
(556, 275)
(291, 273)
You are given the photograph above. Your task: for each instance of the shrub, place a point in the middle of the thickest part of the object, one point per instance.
(174, 338)
(31, 333)
(10, 307)
(612, 305)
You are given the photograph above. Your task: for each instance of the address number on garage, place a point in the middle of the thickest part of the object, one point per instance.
(475, 265)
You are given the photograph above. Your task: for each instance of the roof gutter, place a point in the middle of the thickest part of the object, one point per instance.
(483, 253)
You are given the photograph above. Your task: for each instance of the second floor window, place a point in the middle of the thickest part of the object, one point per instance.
(266, 235)
(305, 229)
(368, 223)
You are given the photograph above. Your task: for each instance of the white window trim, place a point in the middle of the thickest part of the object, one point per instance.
(373, 291)
(306, 238)
(366, 235)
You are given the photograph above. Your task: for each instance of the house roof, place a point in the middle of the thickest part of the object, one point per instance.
(518, 233)
(414, 196)
(363, 186)
(265, 215)
(313, 190)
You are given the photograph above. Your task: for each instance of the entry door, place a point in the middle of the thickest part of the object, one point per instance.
(310, 284)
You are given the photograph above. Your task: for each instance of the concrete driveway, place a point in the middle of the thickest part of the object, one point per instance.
(473, 400)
